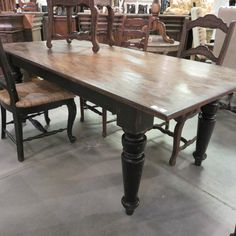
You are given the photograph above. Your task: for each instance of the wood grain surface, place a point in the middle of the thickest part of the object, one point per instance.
(159, 85)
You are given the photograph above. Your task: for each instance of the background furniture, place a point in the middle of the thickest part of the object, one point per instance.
(135, 33)
(11, 28)
(27, 100)
(69, 4)
(174, 24)
(227, 14)
(156, 44)
(33, 23)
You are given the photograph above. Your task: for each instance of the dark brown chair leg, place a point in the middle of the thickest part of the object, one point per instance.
(167, 125)
(19, 137)
(71, 118)
(104, 122)
(46, 117)
(94, 20)
(3, 115)
(176, 140)
(50, 25)
(69, 23)
(81, 109)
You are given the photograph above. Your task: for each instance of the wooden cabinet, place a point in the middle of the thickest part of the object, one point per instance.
(11, 28)
(33, 22)
(60, 25)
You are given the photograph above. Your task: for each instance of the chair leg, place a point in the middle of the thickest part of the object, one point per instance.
(176, 140)
(167, 125)
(3, 115)
(71, 118)
(46, 117)
(50, 25)
(104, 122)
(230, 97)
(81, 109)
(19, 137)
(69, 23)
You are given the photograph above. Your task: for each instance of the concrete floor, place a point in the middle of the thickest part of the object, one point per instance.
(75, 189)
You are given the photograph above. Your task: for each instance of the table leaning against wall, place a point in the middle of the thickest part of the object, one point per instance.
(136, 86)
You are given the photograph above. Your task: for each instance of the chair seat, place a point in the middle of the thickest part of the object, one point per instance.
(35, 93)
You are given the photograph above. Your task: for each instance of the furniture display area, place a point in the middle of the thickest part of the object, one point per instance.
(19, 27)
(174, 24)
(135, 109)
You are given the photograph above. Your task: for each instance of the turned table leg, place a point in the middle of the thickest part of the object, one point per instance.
(206, 124)
(132, 166)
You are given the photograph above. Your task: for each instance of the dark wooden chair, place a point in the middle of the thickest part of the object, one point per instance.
(28, 99)
(135, 33)
(208, 21)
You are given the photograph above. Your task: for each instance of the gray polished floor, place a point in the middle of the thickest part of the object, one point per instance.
(75, 189)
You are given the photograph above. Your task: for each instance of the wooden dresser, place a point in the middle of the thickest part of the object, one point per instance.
(11, 27)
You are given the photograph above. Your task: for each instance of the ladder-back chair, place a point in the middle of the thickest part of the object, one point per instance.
(208, 21)
(28, 99)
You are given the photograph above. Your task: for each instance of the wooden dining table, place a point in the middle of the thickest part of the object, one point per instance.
(136, 86)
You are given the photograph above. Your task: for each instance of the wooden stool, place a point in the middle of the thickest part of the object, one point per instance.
(69, 4)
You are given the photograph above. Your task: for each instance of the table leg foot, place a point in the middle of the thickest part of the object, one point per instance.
(132, 165)
(198, 160)
(129, 207)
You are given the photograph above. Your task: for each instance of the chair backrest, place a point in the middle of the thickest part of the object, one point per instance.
(227, 14)
(208, 21)
(135, 28)
(7, 80)
(199, 33)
